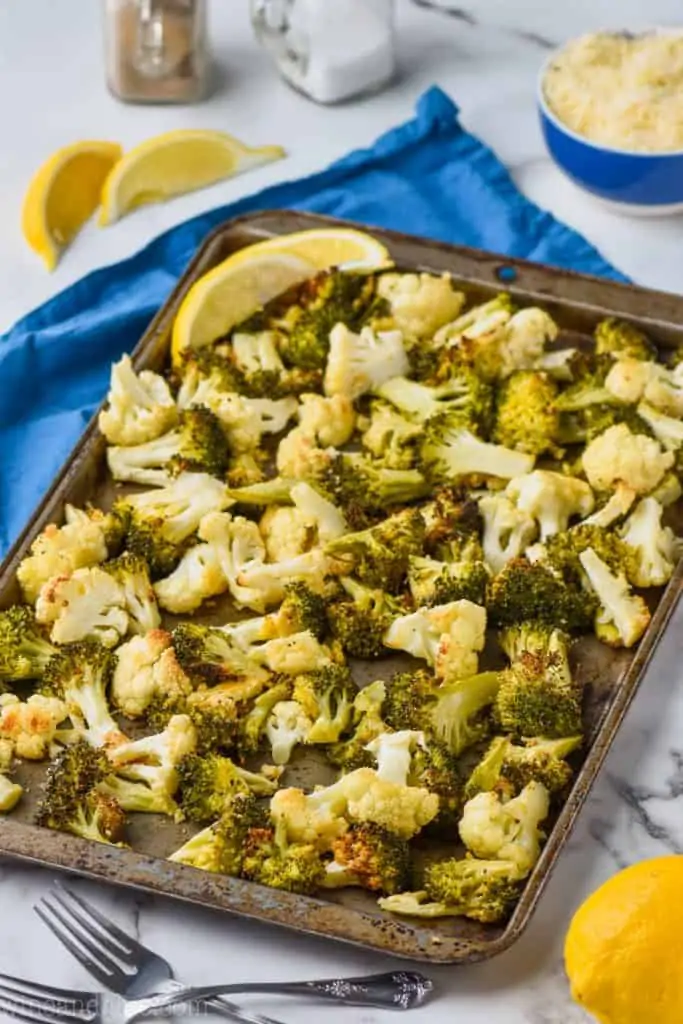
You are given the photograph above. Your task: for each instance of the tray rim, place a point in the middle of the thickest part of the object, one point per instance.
(383, 934)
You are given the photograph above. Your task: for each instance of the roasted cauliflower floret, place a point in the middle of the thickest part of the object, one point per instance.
(87, 605)
(508, 530)
(448, 637)
(87, 538)
(623, 616)
(420, 304)
(358, 363)
(552, 499)
(330, 421)
(140, 406)
(620, 456)
(496, 830)
(147, 668)
(31, 725)
(657, 546)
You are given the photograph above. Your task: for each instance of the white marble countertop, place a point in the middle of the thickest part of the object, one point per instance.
(487, 58)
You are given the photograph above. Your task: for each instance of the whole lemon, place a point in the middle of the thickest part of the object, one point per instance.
(624, 948)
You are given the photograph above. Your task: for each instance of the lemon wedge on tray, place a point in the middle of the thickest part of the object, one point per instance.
(248, 279)
(63, 194)
(174, 163)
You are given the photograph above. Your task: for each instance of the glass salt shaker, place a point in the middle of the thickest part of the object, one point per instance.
(157, 50)
(331, 50)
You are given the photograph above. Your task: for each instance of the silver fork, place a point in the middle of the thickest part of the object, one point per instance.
(126, 967)
(118, 961)
(41, 1004)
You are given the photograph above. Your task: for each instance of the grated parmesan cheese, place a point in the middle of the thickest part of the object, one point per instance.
(625, 92)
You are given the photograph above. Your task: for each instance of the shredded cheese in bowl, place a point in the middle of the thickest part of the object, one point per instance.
(622, 91)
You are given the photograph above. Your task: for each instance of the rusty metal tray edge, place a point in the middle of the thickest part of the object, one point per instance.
(385, 934)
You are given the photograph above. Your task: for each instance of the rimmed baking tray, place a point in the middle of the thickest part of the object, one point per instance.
(611, 678)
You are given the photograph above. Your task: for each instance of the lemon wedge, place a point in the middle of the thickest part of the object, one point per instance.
(174, 163)
(63, 194)
(248, 279)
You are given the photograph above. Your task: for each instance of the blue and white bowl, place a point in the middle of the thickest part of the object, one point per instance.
(647, 184)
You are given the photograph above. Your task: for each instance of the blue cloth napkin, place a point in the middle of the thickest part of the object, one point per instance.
(426, 177)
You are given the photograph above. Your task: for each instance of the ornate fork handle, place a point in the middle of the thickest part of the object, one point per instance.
(397, 990)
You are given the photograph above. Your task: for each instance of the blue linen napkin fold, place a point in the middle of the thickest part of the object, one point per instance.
(426, 177)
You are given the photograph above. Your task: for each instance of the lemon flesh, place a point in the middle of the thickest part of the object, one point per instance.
(624, 947)
(175, 163)
(63, 194)
(250, 278)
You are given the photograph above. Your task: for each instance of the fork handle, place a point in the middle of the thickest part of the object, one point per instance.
(217, 1007)
(398, 990)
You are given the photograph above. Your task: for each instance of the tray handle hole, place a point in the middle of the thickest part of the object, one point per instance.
(506, 274)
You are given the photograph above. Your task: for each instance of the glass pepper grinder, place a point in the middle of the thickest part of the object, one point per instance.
(157, 50)
(331, 50)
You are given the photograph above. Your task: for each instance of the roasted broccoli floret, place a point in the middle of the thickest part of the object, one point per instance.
(484, 890)
(80, 676)
(360, 617)
(452, 454)
(302, 610)
(507, 768)
(366, 725)
(537, 695)
(326, 695)
(380, 556)
(562, 550)
(243, 420)
(209, 655)
(432, 582)
(614, 336)
(456, 715)
(71, 800)
(497, 829)
(162, 520)
(252, 727)
(370, 857)
(220, 848)
(132, 574)
(452, 525)
(140, 406)
(207, 784)
(449, 637)
(526, 416)
(24, 647)
(270, 860)
(324, 301)
(197, 445)
(523, 590)
(622, 616)
(464, 400)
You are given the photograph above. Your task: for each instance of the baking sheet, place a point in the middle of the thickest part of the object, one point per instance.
(611, 678)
